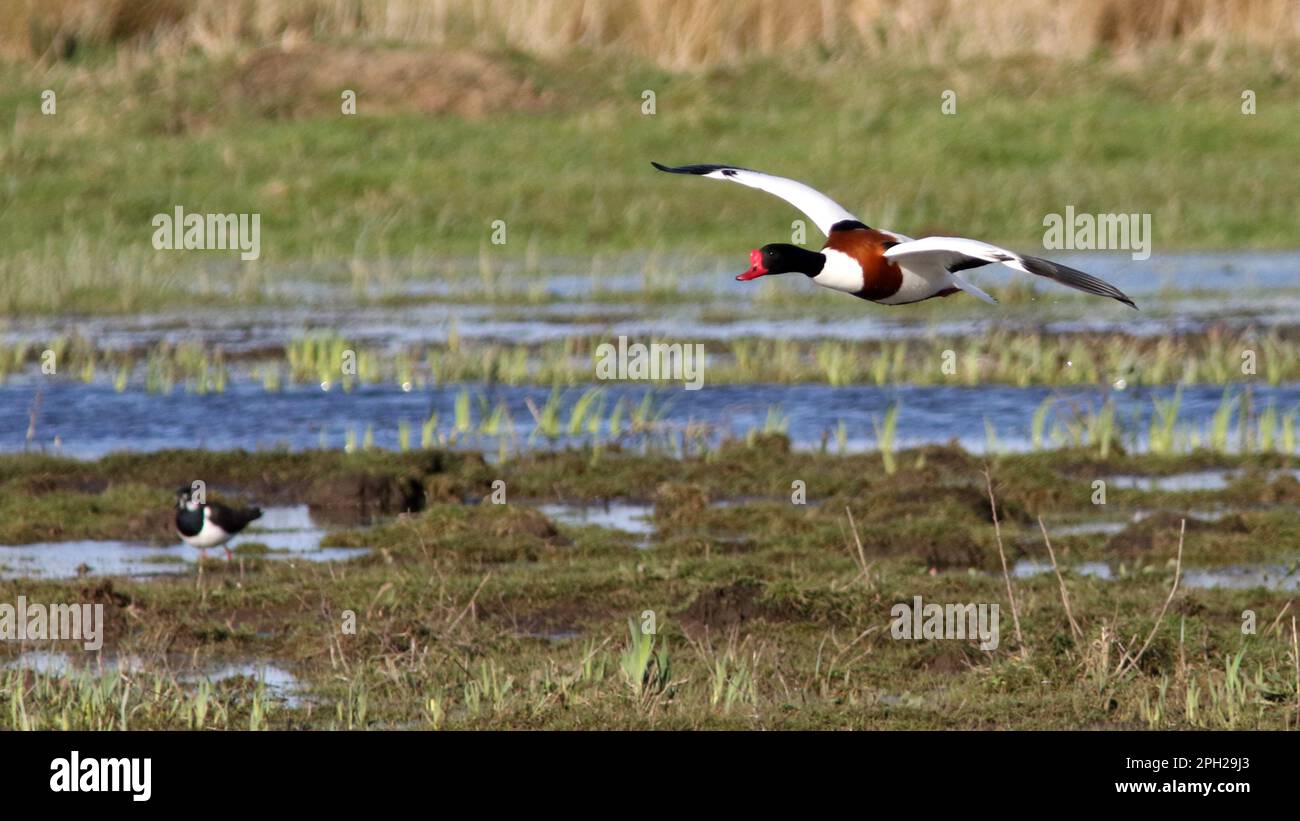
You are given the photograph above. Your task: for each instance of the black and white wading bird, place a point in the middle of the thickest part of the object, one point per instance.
(209, 525)
(881, 266)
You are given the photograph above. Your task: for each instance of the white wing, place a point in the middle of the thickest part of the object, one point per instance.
(821, 209)
(956, 254)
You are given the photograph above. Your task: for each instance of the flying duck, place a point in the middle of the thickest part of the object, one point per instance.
(877, 265)
(209, 525)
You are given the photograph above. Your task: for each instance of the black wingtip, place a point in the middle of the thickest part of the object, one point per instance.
(1075, 278)
(697, 170)
(701, 169)
(1120, 296)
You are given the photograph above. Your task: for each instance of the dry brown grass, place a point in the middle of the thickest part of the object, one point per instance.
(674, 33)
(304, 81)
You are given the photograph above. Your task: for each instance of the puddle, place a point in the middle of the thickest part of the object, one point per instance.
(277, 682)
(1109, 527)
(1269, 576)
(1032, 567)
(288, 528)
(288, 533)
(631, 517)
(628, 517)
(1200, 480)
(1087, 528)
(740, 501)
(1201, 515)
(1197, 480)
(556, 636)
(44, 662)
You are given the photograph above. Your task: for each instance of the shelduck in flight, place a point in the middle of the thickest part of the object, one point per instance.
(877, 265)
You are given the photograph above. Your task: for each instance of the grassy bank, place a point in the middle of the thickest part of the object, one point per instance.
(558, 149)
(767, 613)
(995, 357)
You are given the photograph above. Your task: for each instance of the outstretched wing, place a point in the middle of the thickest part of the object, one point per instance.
(821, 209)
(955, 254)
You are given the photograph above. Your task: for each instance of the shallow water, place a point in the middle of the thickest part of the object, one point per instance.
(278, 682)
(628, 517)
(1269, 576)
(1179, 292)
(1025, 568)
(1182, 482)
(554, 636)
(1253, 287)
(1087, 528)
(72, 415)
(1110, 527)
(288, 531)
(1199, 480)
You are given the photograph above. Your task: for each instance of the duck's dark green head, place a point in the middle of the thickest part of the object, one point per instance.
(782, 258)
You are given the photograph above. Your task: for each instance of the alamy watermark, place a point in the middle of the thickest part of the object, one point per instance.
(180, 231)
(659, 360)
(127, 775)
(1098, 232)
(53, 622)
(918, 621)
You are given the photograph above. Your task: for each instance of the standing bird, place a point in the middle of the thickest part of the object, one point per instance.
(881, 266)
(209, 525)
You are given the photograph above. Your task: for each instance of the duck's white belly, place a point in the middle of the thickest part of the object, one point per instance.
(843, 273)
(917, 286)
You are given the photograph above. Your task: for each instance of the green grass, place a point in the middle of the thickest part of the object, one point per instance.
(130, 496)
(354, 199)
(993, 356)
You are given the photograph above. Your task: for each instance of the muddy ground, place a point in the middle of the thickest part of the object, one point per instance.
(768, 577)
